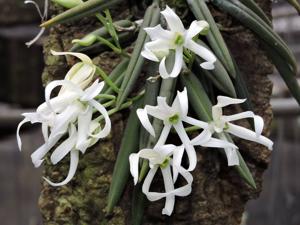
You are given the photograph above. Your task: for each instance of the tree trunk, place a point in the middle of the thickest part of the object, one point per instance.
(219, 195)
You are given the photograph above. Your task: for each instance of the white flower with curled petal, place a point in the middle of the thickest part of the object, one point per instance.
(222, 124)
(160, 157)
(74, 104)
(174, 116)
(177, 38)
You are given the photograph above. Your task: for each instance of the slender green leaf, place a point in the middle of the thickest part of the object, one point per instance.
(129, 145)
(242, 91)
(285, 71)
(251, 4)
(295, 4)
(152, 17)
(258, 26)
(214, 37)
(138, 205)
(87, 8)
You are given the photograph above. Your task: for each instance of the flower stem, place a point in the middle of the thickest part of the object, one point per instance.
(107, 80)
(106, 96)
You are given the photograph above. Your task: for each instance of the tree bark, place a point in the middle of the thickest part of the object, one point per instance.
(219, 195)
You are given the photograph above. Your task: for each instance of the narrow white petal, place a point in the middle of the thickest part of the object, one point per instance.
(156, 50)
(152, 196)
(45, 131)
(203, 52)
(92, 91)
(177, 158)
(144, 119)
(202, 138)
(166, 150)
(190, 150)
(38, 155)
(154, 156)
(164, 135)
(217, 143)
(181, 103)
(146, 53)
(176, 67)
(62, 120)
(195, 122)
(84, 58)
(107, 127)
(49, 88)
(249, 135)
(134, 166)
(232, 156)
(224, 101)
(186, 189)
(173, 21)
(158, 32)
(258, 121)
(74, 158)
(169, 187)
(84, 121)
(196, 27)
(25, 120)
(58, 103)
(65, 147)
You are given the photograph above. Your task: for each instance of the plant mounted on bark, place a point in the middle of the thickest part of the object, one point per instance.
(194, 64)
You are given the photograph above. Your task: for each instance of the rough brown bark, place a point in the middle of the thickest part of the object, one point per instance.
(219, 194)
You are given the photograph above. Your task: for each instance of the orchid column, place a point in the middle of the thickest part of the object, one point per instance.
(218, 196)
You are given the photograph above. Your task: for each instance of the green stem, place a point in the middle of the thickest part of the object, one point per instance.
(105, 96)
(109, 44)
(107, 80)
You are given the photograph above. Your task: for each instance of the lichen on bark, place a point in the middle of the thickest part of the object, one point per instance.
(219, 194)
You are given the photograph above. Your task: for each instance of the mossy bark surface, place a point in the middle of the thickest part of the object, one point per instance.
(219, 195)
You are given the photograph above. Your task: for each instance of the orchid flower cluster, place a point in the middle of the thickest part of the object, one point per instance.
(69, 113)
(167, 157)
(69, 127)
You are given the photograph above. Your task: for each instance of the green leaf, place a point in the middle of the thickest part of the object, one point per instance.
(68, 3)
(138, 205)
(202, 107)
(152, 17)
(255, 8)
(244, 171)
(87, 8)
(295, 4)
(129, 145)
(242, 91)
(214, 37)
(259, 27)
(285, 71)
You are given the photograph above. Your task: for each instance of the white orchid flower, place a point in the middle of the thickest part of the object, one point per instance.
(177, 38)
(222, 124)
(74, 105)
(59, 113)
(174, 116)
(160, 157)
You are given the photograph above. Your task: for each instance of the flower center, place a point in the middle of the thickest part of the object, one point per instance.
(174, 119)
(179, 39)
(165, 163)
